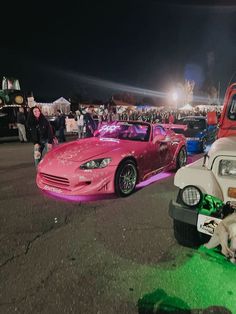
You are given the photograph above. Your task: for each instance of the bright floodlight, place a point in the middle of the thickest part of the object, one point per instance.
(175, 96)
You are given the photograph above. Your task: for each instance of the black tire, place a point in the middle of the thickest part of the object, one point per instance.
(126, 178)
(185, 234)
(181, 159)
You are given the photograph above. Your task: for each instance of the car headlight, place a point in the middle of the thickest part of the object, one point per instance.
(96, 163)
(191, 196)
(227, 168)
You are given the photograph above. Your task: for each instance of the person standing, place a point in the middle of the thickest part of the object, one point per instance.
(80, 123)
(89, 122)
(26, 126)
(60, 124)
(171, 118)
(20, 122)
(41, 133)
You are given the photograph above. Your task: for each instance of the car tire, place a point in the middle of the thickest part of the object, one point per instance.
(126, 178)
(185, 234)
(181, 159)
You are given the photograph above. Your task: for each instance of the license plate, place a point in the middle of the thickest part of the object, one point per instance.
(207, 224)
(52, 189)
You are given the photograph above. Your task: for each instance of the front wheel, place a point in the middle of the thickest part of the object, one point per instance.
(188, 235)
(185, 234)
(181, 159)
(126, 178)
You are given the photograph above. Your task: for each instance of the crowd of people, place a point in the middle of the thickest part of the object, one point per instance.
(35, 127)
(92, 119)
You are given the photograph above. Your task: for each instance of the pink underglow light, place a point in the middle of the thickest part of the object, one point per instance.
(93, 198)
(157, 177)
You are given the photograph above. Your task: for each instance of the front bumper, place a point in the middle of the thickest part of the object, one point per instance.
(204, 223)
(86, 182)
(183, 213)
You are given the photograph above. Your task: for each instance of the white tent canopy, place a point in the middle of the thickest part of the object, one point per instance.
(49, 109)
(62, 100)
(186, 107)
(62, 104)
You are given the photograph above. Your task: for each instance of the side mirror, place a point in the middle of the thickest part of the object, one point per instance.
(206, 156)
(212, 118)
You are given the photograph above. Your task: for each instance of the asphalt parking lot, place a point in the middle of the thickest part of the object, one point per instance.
(104, 256)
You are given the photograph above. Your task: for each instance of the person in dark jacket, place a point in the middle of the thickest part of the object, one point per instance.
(41, 133)
(60, 124)
(89, 122)
(20, 121)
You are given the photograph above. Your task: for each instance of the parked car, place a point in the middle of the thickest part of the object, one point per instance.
(211, 177)
(120, 155)
(8, 127)
(198, 133)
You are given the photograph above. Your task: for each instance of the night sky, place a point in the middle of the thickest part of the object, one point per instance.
(82, 47)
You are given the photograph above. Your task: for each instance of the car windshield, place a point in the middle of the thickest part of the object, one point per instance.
(232, 109)
(131, 131)
(194, 124)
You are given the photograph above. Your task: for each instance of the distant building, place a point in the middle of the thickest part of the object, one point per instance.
(49, 109)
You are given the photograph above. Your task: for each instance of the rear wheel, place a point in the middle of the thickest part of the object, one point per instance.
(181, 159)
(126, 178)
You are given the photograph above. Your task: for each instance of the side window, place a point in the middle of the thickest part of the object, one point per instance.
(158, 130)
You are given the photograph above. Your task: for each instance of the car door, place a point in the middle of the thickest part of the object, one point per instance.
(161, 146)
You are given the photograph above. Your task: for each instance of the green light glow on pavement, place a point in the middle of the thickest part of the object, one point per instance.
(203, 279)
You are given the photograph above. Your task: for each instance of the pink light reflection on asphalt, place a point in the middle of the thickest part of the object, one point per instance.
(155, 178)
(79, 198)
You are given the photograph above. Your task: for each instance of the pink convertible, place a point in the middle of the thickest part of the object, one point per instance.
(115, 160)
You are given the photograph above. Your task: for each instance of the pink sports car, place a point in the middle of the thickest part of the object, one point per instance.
(118, 157)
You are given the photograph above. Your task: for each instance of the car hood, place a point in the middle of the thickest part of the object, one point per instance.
(88, 149)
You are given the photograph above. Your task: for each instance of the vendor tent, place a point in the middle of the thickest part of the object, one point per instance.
(186, 107)
(49, 109)
(62, 104)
